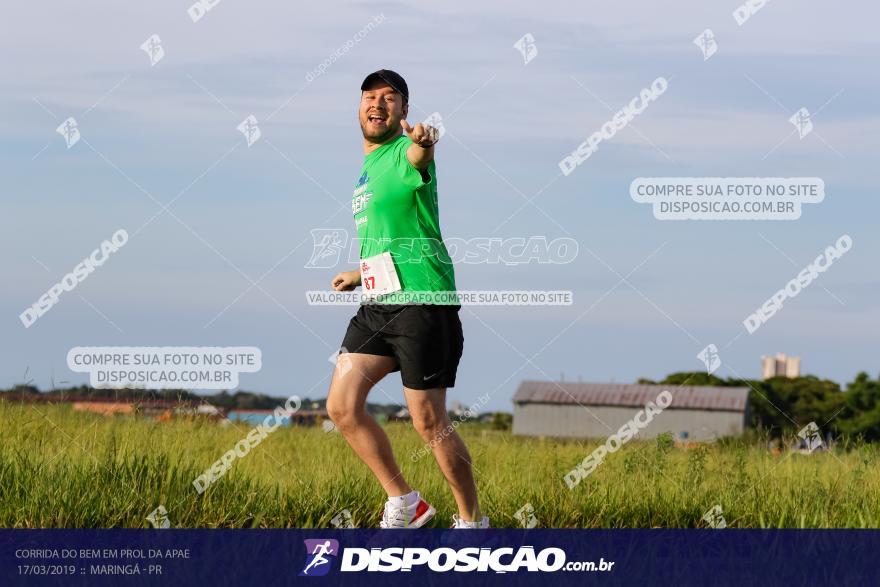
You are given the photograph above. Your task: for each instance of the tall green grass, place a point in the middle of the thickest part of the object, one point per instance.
(60, 468)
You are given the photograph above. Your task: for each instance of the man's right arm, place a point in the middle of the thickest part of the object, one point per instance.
(346, 281)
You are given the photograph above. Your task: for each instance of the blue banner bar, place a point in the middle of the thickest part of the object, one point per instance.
(434, 557)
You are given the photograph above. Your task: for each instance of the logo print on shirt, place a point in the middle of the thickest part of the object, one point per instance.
(361, 196)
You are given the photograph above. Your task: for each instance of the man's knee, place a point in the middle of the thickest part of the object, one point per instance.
(342, 413)
(431, 426)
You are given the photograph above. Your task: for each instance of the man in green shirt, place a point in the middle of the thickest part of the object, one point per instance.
(411, 324)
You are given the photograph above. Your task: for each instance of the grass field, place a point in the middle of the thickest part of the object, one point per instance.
(60, 468)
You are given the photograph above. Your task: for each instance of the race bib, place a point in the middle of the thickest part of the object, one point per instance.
(378, 276)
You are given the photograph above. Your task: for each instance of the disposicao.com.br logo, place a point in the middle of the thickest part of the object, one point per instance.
(442, 559)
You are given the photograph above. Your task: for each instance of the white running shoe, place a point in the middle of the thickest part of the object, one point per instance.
(414, 516)
(458, 522)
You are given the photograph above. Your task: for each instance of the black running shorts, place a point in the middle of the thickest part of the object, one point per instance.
(426, 340)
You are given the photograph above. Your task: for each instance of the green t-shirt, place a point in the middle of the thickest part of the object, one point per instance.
(396, 210)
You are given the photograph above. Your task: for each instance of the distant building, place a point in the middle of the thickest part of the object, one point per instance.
(459, 411)
(780, 366)
(107, 407)
(255, 417)
(144, 407)
(597, 410)
(401, 414)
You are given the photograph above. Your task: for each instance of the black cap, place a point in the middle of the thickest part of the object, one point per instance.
(392, 78)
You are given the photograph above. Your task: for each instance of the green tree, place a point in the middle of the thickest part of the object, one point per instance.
(693, 378)
(861, 415)
(780, 404)
(801, 400)
(502, 421)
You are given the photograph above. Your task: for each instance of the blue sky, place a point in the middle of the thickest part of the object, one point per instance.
(185, 278)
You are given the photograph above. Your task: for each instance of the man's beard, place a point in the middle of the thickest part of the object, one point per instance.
(381, 138)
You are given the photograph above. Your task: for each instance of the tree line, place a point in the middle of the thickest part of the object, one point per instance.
(239, 400)
(783, 405)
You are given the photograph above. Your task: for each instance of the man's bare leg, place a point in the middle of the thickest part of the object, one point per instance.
(346, 407)
(428, 410)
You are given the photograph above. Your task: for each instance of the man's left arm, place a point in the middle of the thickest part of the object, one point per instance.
(421, 152)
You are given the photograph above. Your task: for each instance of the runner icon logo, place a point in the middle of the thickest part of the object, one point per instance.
(319, 556)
